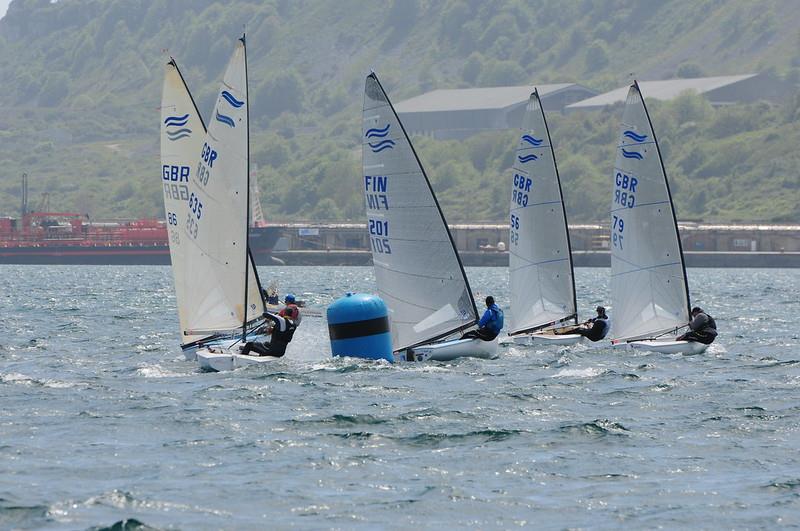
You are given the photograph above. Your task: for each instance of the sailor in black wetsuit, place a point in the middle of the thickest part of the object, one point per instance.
(703, 328)
(600, 326)
(282, 333)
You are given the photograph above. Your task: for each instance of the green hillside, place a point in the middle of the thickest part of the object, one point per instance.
(80, 84)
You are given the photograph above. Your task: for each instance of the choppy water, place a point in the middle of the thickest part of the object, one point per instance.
(103, 422)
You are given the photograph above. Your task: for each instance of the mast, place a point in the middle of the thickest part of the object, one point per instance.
(671, 203)
(24, 207)
(563, 206)
(247, 209)
(444, 221)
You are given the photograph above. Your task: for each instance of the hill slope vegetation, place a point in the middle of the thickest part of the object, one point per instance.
(81, 82)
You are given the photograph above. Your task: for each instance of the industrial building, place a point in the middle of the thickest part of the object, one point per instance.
(460, 113)
(718, 90)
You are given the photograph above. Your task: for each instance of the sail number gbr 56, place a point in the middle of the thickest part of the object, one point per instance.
(375, 189)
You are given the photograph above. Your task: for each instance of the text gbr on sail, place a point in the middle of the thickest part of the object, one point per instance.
(522, 185)
(625, 189)
(172, 177)
(375, 189)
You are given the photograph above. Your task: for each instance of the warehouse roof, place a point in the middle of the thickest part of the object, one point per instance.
(661, 90)
(477, 98)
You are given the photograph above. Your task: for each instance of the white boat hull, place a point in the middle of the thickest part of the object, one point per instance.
(227, 360)
(450, 350)
(670, 347)
(544, 340)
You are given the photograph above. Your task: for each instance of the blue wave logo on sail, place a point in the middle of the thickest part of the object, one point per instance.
(532, 141)
(227, 120)
(633, 136)
(179, 122)
(632, 155)
(230, 99)
(377, 147)
(527, 158)
(377, 133)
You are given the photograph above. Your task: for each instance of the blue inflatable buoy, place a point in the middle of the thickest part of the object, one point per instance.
(358, 325)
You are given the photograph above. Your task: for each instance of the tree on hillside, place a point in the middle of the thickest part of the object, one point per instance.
(284, 92)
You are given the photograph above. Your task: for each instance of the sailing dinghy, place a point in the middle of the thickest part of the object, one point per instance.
(541, 275)
(220, 304)
(649, 288)
(417, 268)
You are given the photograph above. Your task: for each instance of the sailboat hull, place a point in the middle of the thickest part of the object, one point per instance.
(450, 350)
(543, 340)
(670, 347)
(227, 360)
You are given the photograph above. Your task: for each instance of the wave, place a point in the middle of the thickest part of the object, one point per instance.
(377, 147)
(342, 420)
(18, 516)
(176, 121)
(527, 158)
(632, 155)
(633, 136)
(377, 133)
(598, 428)
(178, 134)
(230, 99)
(227, 120)
(472, 437)
(532, 141)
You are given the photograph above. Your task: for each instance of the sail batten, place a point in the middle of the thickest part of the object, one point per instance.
(540, 260)
(649, 289)
(417, 268)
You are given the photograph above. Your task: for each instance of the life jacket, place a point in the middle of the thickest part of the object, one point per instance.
(496, 322)
(283, 332)
(292, 312)
(606, 326)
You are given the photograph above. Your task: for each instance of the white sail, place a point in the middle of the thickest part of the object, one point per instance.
(417, 268)
(648, 278)
(182, 133)
(216, 223)
(540, 261)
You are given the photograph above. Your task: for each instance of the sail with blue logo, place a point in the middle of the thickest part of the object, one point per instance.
(649, 291)
(182, 135)
(215, 227)
(417, 269)
(182, 132)
(540, 261)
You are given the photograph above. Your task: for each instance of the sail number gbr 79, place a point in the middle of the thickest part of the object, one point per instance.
(625, 196)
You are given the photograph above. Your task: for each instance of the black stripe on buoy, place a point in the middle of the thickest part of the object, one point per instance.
(368, 327)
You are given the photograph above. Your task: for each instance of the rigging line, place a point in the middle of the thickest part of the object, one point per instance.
(634, 144)
(637, 206)
(420, 275)
(556, 202)
(533, 264)
(645, 269)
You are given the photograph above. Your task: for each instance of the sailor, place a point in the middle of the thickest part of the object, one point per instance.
(703, 328)
(281, 329)
(595, 328)
(490, 324)
(291, 310)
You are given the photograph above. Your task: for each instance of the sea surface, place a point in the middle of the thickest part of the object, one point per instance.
(103, 425)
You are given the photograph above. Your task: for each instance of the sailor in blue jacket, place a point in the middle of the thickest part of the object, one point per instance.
(490, 324)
